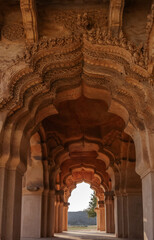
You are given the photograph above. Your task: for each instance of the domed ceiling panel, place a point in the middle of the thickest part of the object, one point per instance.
(83, 118)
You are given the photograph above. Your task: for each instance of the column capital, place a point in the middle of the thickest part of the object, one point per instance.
(144, 152)
(101, 204)
(16, 165)
(59, 192)
(66, 204)
(96, 209)
(109, 195)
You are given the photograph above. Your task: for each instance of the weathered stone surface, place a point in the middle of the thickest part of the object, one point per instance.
(76, 104)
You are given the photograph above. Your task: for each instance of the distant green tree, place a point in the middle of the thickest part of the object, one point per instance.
(92, 205)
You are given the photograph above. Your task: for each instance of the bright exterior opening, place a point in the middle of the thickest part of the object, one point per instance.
(79, 203)
(80, 197)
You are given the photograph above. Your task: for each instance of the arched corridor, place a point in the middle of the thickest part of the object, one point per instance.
(76, 104)
(117, 187)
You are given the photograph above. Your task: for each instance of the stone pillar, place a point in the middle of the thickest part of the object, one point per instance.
(45, 199)
(2, 197)
(109, 204)
(128, 213)
(101, 215)
(148, 205)
(135, 216)
(44, 212)
(31, 214)
(121, 215)
(57, 204)
(51, 213)
(144, 147)
(124, 216)
(60, 217)
(10, 203)
(65, 216)
(118, 213)
(98, 218)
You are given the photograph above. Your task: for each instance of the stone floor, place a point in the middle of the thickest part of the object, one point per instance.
(81, 235)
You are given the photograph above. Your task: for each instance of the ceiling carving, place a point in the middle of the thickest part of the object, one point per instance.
(87, 175)
(82, 76)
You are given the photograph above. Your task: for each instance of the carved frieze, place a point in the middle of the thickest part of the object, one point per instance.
(97, 36)
(57, 46)
(75, 19)
(59, 64)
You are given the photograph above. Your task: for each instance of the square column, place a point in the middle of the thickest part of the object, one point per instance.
(109, 210)
(31, 214)
(60, 217)
(148, 205)
(102, 215)
(121, 215)
(118, 213)
(135, 215)
(45, 212)
(65, 216)
(10, 203)
(2, 197)
(144, 145)
(51, 213)
(57, 204)
(98, 218)
(128, 215)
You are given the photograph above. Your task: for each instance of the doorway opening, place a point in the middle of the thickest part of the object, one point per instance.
(82, 202)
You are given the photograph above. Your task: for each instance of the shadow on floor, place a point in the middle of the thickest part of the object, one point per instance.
(79, 235)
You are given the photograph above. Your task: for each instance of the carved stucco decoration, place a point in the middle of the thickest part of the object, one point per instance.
(137, 55)
(60, 61)
(79, 20)
(13, 32)
(87, 175)
(70, 167)
(104, 144)
(82, 175)
(39, 63)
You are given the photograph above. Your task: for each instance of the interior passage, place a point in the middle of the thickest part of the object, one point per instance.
(76, 105)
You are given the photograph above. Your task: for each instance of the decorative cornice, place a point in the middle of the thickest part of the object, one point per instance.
(56, 63)
(103, 38)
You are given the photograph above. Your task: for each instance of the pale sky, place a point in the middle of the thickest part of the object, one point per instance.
(80, 197)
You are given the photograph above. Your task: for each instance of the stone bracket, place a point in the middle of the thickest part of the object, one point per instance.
(28, 9)
(115, 16)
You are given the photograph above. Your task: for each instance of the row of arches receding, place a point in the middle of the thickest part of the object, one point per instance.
(57, 144)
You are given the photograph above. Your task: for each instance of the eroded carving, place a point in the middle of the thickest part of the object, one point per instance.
(13, 32)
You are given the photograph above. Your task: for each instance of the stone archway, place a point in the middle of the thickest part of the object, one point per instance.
(57, 150)
(19, 138)
(89, 176)
(94, 66)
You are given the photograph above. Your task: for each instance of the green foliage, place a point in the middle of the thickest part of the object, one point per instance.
(92, 205)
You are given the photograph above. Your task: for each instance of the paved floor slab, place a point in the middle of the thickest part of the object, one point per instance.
(81, 235)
